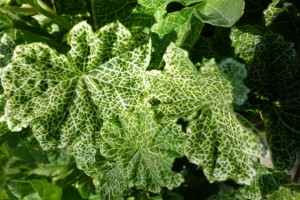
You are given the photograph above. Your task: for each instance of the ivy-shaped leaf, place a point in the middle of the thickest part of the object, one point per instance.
(217, 140)
(143, 149)
(273, 71)
(222, 146)
(61, 96)
(253, 43)
(266, 181)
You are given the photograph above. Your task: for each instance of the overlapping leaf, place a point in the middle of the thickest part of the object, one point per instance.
(142, 149)
(187, 26)
(266, 181)
(286, 192)
(128, 12)
(60, 96)
(217, 141)
(7, 47)
(273, 67)
(274, 71)
(221, 12)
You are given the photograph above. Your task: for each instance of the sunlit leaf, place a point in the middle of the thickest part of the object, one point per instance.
(61, 96)
(181, 91)
(143, 149)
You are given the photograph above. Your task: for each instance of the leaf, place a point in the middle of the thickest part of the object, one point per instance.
(235, 72)
(274, 10)
(34, 189)
(217, 141)
(187, 26)
(266, 181)
(47, 191)
(287, 192)
(222, 146)
(162, 4)
(142, 149)
(283, 122)
(128, 12)
(110, 182)
(7, 47)
(61, 96)
(182, 90)
(223, 13)
(270, 58)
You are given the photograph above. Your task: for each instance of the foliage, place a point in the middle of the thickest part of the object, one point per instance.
(142, 99)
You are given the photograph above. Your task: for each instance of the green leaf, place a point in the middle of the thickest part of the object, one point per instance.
(182, 90)
(110, 182)
(222, 146)
(287, 192)
(61, 96)
(283, 122)
(235, 72)
(162, 4)
(143, 149)
(47, 191)
(223, 13)
(7, 47)
(270, 58)
(274, 10)
(217, 140)
(128, 12)
(266, 181)
(35, 189)
(187, 26)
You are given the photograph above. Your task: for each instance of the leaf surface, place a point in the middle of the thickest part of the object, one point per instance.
(223, 13)
(143, 149)
(266, 182)
(63, 95)
(217, 140)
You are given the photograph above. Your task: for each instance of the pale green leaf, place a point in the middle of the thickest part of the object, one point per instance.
(143, 149)
(221, 12)
(182, 90)
(61, 96)
(111, 183)
(217, 140)
(222, 146)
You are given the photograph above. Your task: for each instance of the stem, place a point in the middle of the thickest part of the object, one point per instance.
(93, 14)
(48, 12)
(29, 11)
